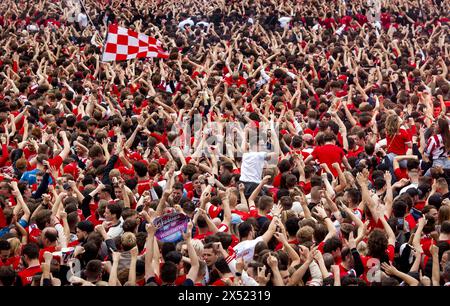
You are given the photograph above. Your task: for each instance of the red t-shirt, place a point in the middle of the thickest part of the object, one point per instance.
(50, 249)
(203, 236)
(12, 261)
(56, 162)
(370, 262)
(397, 144)
(221, 283)
(26, 275)
(143, 186)
(355, 153)
(426, 243)
(329, 154)
(277, 180)
(401, 173)
(306, 186)
(411, 221)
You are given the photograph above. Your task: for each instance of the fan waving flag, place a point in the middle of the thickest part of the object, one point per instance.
(123, 44)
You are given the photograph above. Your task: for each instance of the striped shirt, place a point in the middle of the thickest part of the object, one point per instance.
(435, 147)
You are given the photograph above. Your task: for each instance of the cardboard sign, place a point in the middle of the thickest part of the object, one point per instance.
(171, 227)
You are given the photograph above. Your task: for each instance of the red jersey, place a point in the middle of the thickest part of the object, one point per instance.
(50, 249)
(370, 263)
(26, 275)
(221, 283)
(329, 154)
(397, 144)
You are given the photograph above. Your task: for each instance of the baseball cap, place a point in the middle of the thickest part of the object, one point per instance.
(236, 219)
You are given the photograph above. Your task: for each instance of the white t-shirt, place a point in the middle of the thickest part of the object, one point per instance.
(204, 23)
(116, 231)
(284, 21)
(252, 166)
(246, 249)
(82, 20)
(185, 22)
(412, 185)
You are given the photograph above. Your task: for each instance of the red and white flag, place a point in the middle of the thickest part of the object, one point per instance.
(123, 44)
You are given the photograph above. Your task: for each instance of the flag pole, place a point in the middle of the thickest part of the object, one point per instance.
(90, 20)
(103, 50)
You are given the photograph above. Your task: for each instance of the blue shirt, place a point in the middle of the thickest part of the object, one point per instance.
(6, 229)
(30, 177)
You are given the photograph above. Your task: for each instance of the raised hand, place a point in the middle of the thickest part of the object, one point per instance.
(262, 278)
(116, 256)
(134, 252)
(272, 261)
(48, 257)
(321, 212)
(151, 229)
(389, 269)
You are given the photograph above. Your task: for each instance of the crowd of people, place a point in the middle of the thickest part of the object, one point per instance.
(304, 142)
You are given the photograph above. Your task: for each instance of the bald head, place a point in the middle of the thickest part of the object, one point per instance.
(49, 236)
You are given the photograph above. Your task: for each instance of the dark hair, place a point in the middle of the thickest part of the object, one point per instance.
(354, 194)
(222, 265)
(399, 209)
(292, 226)
(51, 235)
(445, 227)
(332, 244)
(173, 256)
(7, 276)
(284, 165)
(4, 245)
(140, 168)
(169, 272)
(42, 218)
(115, 209)
(166, 248)
(31, 250)
(244, 229)
(377, 244)
(178, 186)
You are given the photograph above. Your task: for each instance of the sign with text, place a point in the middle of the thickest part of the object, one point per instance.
(171, 227)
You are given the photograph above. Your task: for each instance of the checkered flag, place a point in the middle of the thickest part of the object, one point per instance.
(123, 44)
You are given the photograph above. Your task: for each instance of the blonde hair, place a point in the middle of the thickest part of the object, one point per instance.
(305, 234)
(15, 246)
(128, 240)
(391, 124)
(198, 246)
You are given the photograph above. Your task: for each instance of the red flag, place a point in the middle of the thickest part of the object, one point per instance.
(123, 44)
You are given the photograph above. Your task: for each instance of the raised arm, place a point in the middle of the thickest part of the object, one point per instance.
(149, 247)
(391, 270)
(193, 271)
